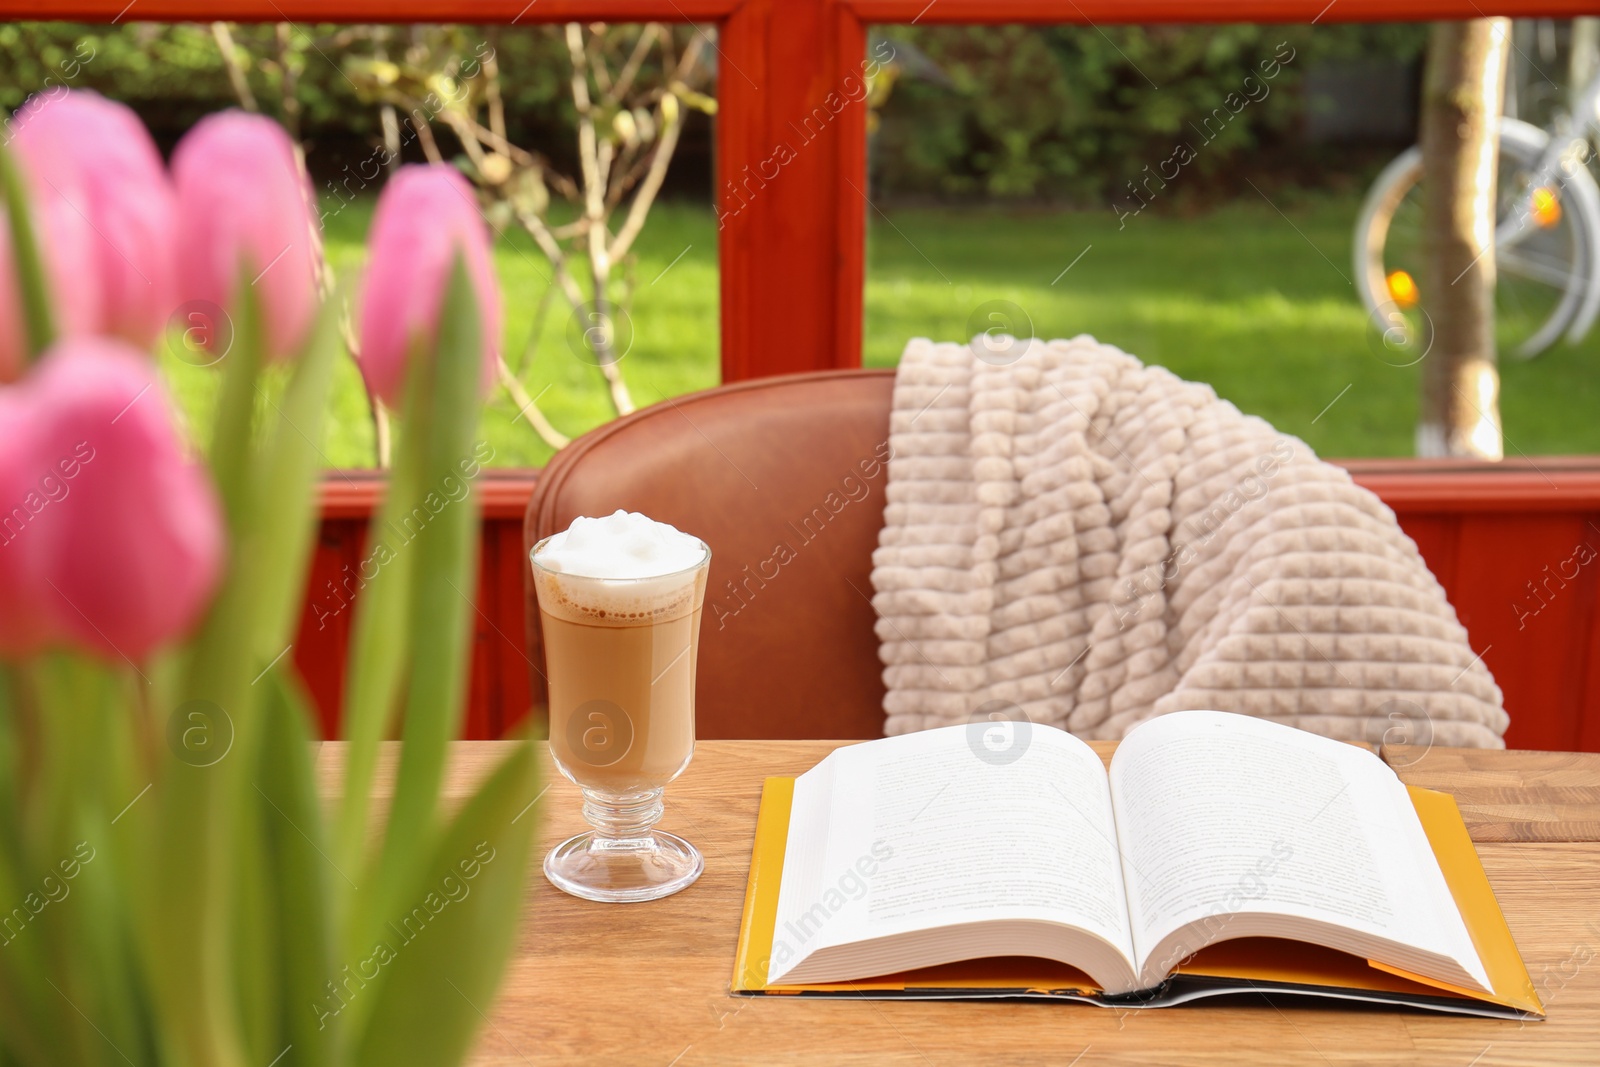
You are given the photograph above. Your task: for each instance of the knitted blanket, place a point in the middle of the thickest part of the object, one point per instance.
(1093, 542)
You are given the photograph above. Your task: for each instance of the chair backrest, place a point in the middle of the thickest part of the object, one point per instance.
(784, 479)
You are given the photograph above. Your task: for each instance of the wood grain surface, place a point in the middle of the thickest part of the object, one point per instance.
(646, 984)
(1511, 796)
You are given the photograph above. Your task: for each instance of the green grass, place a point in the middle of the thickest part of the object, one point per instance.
(1254, 302)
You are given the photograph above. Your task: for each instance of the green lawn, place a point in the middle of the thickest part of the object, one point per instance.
(1251, 301)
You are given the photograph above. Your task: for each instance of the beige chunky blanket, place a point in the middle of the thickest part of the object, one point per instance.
(1095, 542)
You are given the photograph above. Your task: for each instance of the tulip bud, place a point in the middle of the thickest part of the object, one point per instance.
(426, 217)
(95, 157)
(245, 218)
(114, 539)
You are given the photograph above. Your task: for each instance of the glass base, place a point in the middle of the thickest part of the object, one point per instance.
(622, 871)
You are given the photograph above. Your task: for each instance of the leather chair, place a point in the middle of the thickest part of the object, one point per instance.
(784, 479)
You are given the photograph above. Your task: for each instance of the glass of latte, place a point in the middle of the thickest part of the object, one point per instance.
(619, 601)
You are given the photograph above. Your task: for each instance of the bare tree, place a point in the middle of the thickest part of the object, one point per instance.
(630, 87)
(1463, 85)
(1583, 58)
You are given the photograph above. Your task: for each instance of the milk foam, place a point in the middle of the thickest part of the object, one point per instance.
(622, 545)
(621, 570)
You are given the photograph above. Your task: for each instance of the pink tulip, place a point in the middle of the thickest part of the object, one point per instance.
(245, 218)
(92, 160)
(426, 216)
(115, 540)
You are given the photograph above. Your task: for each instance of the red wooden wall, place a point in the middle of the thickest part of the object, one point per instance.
(1488, 532)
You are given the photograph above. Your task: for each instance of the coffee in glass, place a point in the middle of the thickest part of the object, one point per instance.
(620, 601)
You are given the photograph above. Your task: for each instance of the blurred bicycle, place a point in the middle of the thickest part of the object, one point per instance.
(1546, 241)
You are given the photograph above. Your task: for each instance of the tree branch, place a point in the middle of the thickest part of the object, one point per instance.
(530, 347)
(288, 86)
(641, 50)
(222, 33)
(491, 91)
(639, 210)
(430, 147)
(526, 404)
(594, 160)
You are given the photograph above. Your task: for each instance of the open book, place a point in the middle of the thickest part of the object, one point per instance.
(1226, 851)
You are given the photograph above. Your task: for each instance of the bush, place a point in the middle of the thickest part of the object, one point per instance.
(172, 74)
(1005, 112)
(1075, 113)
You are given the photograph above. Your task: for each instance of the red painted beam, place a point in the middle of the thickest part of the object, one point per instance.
(477, 11)
(1549, 483)
(503, 492)
(791, 187)
(865, 11)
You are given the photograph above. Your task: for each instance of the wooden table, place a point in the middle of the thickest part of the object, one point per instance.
(647, 984)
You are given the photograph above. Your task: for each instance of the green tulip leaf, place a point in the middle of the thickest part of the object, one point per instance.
(233, 426)
(378, 652)
(283, 518)
(298, 882)
(443, 582)
(442, 952)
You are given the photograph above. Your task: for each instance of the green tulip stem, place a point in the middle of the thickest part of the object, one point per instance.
(202, 828)
(378, 651)
(234, 428)
(39, 326)
(440, 615)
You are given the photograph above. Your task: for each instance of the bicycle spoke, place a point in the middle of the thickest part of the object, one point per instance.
(1528, 267)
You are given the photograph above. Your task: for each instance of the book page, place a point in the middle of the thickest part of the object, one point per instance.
(937, 828)
(1225, 816)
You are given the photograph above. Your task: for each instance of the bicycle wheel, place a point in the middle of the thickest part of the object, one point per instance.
(1544, 279)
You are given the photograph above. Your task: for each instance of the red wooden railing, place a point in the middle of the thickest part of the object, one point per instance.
(1488, 532)
(792, 245)
(1509, 542)
(499, 693)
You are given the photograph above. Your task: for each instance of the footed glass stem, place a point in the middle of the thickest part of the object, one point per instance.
(623, 859)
